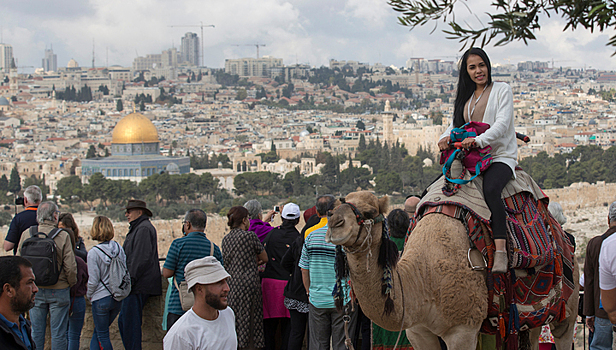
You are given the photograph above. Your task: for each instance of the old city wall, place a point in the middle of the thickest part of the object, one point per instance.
(583, 195)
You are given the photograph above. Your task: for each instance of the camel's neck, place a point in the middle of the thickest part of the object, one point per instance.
(366, 277)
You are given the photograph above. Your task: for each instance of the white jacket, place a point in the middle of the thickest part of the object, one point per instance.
(501, 134)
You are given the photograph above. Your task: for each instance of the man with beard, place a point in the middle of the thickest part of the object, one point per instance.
(209, 324)
(16, 297)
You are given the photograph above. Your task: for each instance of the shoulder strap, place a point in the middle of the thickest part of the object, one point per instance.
(175, 283)
(33, 230)
(99, 248)
(53, 233)
(211, 248)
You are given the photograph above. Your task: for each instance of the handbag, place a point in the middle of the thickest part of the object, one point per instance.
(475, 160)
(187, 298)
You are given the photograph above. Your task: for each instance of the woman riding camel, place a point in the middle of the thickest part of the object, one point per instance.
(479, 99)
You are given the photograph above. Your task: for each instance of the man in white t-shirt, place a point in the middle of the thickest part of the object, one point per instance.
(209, 324)
(607, 269)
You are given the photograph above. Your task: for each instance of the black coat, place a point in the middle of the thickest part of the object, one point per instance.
(277, 244)
(295, 287)
(10, 340)
(141, 250)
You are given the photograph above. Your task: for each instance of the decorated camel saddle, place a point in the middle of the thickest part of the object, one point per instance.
(540, 279)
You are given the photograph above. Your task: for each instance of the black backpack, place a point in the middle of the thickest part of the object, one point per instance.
(41, 250)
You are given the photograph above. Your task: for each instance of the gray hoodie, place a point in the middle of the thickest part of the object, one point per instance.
(98, 268)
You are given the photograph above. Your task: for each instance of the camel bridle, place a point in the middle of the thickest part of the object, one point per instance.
(363, 223)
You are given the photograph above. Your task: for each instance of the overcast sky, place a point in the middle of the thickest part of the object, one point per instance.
(299, 31)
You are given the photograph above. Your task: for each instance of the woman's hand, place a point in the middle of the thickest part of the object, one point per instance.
(443, 144)
(468, 142)
(269, 216)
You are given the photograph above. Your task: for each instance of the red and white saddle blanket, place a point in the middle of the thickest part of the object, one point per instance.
(535, 293)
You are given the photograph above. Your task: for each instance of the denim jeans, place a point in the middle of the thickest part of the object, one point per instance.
(104, 311)
(602, 338)
(56, 302)
(75, 321)
(130, 320)
(324, 324)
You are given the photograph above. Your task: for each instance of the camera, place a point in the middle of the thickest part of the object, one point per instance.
(277, 209)
(19, 201)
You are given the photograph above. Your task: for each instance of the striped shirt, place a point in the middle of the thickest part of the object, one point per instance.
(318, 257)
(194, 245)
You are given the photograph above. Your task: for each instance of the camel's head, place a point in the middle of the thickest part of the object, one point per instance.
(344, 224)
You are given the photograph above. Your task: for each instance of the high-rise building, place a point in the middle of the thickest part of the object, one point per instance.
(6, 58)
(189, 49)
(50, 62)
(253, 67)
(169, 58)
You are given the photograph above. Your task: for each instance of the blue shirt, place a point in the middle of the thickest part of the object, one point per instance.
(20, 330)
(319, 257)
(194, 245)
(19, 224)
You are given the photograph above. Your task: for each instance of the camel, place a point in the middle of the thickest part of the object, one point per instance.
(435, 293)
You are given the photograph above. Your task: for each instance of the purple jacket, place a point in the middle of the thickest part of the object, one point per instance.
(260, 228)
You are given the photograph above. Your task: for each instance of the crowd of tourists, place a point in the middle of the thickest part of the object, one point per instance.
(264, 287)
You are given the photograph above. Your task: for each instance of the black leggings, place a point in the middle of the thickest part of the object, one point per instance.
(495, 178)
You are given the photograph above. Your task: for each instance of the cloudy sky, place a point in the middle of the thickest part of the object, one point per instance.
(299, 31)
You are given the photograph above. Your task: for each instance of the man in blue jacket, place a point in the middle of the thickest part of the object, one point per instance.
(17, 291)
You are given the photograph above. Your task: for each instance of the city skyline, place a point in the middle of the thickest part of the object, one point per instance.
(296, 31)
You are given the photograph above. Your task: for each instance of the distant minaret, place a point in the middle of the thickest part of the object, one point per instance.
(388, 125)
(93, 61)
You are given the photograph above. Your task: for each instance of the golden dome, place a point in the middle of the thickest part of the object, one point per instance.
(134, 128)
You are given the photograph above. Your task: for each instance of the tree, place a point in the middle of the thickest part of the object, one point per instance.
(360, 125)
(119, 105)
(362, 143)
(14, 181)
(91, 152)
(70, 189)
(32, 180)
(241, 94)
(509, 20)
(142, 106)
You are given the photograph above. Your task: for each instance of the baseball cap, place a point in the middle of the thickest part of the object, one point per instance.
(206, 270)
(290, 211)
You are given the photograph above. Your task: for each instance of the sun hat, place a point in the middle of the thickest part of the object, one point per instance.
(206, 270)
(138, 204)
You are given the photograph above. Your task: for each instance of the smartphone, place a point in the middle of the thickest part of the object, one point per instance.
(277, 209)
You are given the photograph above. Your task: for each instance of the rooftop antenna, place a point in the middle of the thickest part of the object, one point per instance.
(93, 53)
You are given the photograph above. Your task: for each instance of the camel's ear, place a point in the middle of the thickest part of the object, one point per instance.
(383, 204)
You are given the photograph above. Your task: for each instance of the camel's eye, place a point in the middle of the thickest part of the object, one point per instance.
(369, 214)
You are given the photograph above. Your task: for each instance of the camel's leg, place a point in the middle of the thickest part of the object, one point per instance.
(461, 337)
(534, 338)
(422, 338)
(563, 332)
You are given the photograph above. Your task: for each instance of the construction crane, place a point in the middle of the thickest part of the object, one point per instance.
(200, 26)
(560, 61)
(255, 45)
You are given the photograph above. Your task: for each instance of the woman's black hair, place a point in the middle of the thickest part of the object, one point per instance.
(398, 221)
(466, 86)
